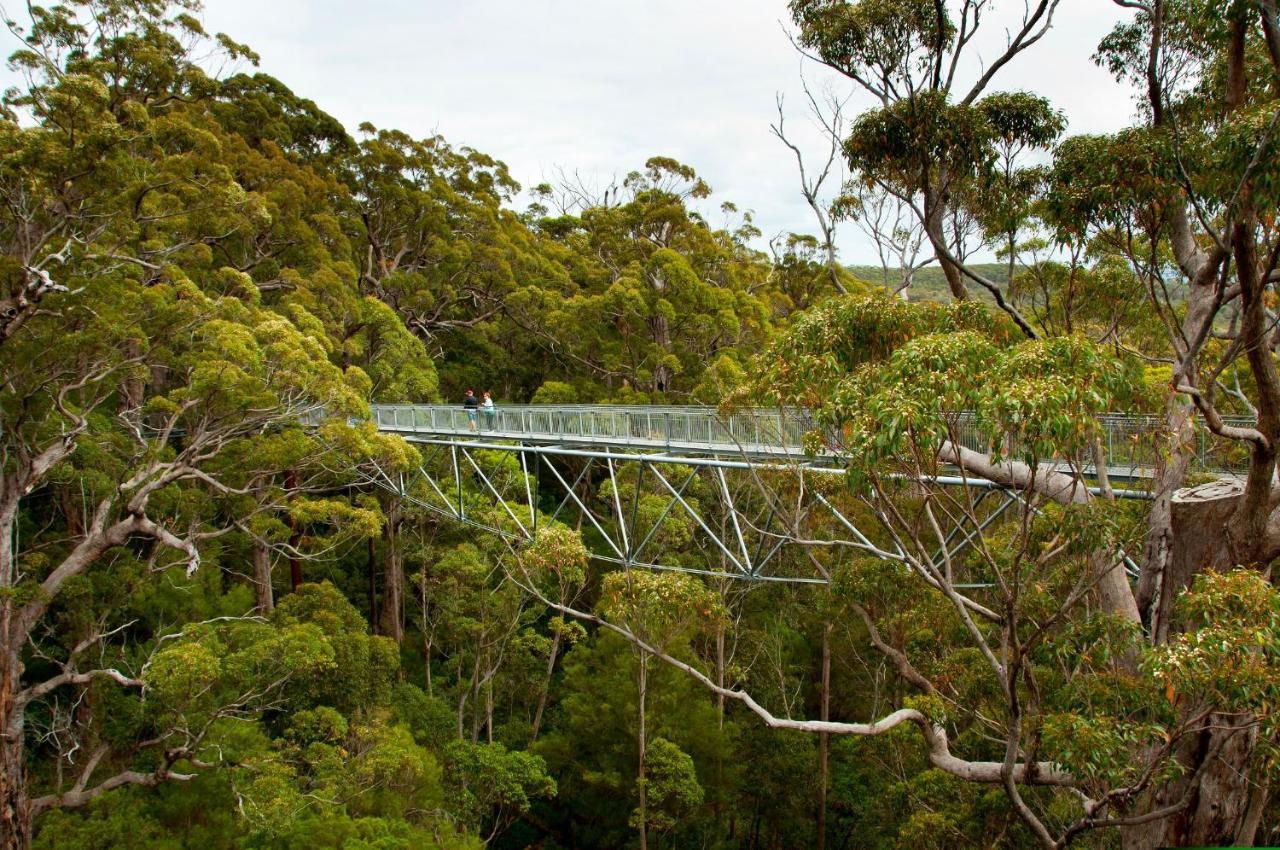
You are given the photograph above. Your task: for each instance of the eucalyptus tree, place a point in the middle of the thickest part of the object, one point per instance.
(1181, 214)
(658, 293)
(659, 610)
(155, 369)
(934, 134)
(425, 212)
(1190, 203)
(433, 238)
(556, 561)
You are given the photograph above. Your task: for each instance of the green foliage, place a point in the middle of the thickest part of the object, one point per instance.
(1229, 654)
(591, 748)
(190, 264)
(369, 662)
(672, 785)
(659, 608)
(555, 392)
(495, 785)
(555, 557)
(864, 37)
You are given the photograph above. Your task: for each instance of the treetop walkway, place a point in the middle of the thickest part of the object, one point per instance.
(757, 434)
(607, 463)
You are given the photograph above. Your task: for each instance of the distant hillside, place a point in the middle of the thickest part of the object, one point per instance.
(929, 283)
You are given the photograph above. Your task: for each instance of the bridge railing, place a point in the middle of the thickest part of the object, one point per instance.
(640, 425)
(1129, 442)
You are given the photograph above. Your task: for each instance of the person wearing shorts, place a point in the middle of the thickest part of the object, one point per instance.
(471, 405)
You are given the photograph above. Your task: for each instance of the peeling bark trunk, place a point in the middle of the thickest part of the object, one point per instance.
(393, 592)
(933, 228)
(1258, 798)
(642, 781)
(15, 803)
(1173, 459)
(264, 598)
(1216, 789)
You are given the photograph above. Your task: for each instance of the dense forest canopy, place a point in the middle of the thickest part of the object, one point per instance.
(217, 632)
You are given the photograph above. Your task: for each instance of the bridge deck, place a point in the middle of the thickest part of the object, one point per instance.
(686, 430)
(755, 434)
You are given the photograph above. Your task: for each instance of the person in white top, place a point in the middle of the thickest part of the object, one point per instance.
(490, 411)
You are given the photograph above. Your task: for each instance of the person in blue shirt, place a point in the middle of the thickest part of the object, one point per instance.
(471, 405)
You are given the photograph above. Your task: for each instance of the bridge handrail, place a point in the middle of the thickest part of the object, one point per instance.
(761, 430)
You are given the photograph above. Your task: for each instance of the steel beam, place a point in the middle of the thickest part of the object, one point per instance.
(624, 541)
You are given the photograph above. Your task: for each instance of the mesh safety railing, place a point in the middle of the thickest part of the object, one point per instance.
(1129, 442)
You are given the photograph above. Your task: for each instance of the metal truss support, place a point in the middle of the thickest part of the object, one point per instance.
(453, 482)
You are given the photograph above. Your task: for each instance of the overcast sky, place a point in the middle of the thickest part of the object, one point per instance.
(601, 85)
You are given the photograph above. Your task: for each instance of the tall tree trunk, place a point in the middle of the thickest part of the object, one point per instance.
(426, 663)
(1172, 461)
(1246, 530)
(464, 695)
(661, 329)
(295, 537)
(934, 229)
(662, 337)
(1215, 525)
(393, 590)
(474, 691)
(642, 783)
(488, 711)
(1216, 785)
(721, 676)
(264, 599)
(824, 710)
(15, 804)
(372, 565)
(132, 388)
(1259, 796)
(1215, 761)
(546, 686)
(428, 631)
(721, 665)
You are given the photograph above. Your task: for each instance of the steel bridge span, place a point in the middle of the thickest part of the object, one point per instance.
(760, 507)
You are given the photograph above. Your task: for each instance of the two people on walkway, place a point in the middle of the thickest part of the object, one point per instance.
(474, 406)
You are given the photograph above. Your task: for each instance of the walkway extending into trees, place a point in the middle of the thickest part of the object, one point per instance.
(624, 474)
(753, 434)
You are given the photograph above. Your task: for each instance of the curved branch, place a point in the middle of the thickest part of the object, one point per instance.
(1034, 26)
(1061, 487)
(899, 658)
(74, 798)
(935, 735)
(72, 677)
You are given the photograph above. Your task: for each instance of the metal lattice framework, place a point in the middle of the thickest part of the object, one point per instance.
(760, 506)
